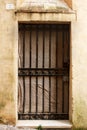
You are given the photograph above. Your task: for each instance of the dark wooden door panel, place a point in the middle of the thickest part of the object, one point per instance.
(43, 71)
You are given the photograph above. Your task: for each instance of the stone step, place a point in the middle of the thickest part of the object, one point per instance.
(8, 127)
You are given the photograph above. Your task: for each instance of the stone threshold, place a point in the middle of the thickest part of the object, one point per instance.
(44, 123)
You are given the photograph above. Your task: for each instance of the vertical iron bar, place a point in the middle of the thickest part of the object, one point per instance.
(23, 47)
(30, 45)
(62, 66)
(49, 67)
(23, 67)
(30, 76)
(56, 67)
(43, 68)
(37, 67)
(68, 33)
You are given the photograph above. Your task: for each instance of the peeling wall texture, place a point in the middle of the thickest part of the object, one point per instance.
(9, 57)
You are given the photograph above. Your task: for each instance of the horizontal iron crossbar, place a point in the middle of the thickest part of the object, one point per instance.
(44, 116)
(42, 72)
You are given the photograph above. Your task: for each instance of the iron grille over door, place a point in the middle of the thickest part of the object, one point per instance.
(43, 90)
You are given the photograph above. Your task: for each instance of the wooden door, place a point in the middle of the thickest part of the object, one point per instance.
(43, 71)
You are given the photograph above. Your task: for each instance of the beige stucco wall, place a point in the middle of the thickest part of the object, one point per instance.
(7, 63)
(79, 64)
(9, 56)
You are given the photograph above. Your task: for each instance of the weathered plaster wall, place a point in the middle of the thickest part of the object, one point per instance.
(79, 64)
(7, 63)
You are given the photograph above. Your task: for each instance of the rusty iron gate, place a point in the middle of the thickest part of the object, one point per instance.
(43, 89)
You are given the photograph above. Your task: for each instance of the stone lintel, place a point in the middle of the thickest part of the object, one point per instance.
(45, 17)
